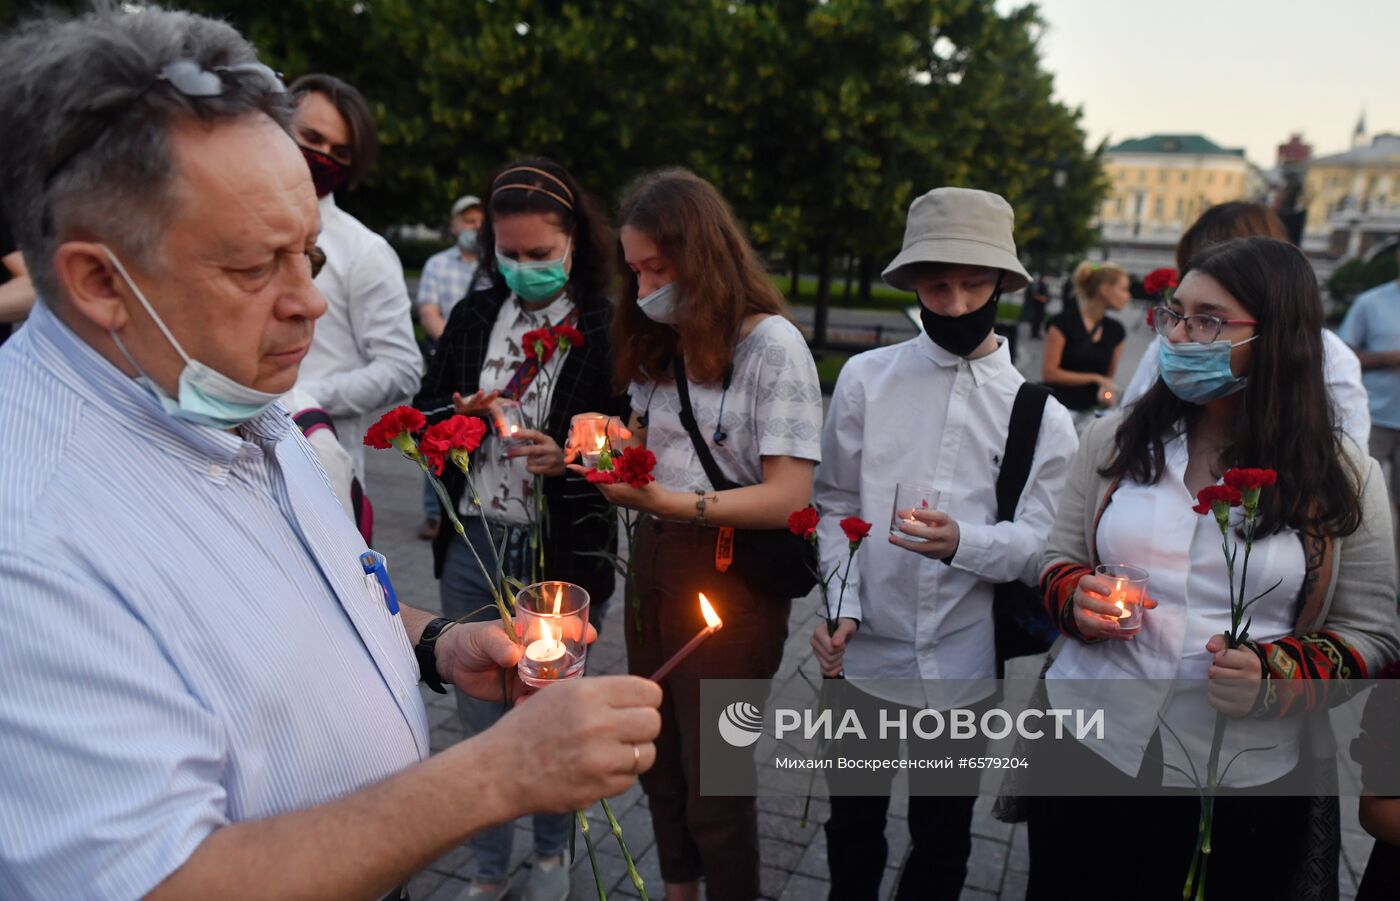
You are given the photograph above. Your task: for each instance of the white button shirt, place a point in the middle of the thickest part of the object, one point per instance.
(915, 414)
(1154, 527)
(364, 357)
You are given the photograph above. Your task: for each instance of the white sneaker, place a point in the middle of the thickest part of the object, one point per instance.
(476, 892)
(548, 881)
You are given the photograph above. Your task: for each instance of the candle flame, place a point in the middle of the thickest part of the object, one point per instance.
(712, 619)
(514, 429)
(602, 440)
(558, 598)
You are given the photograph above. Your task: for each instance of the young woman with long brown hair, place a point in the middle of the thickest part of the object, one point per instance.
(698, 293)
(1241, 385)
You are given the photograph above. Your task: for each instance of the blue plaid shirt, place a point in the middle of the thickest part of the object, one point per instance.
(446, 279)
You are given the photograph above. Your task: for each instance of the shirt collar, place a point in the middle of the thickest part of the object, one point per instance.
(76, 364)
(983, 369)
(552, 314)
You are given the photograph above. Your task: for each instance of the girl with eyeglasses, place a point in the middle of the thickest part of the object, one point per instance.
(1241, 385)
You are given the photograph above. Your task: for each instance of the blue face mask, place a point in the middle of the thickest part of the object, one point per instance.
(206, 397)
(534, 281)
(466, 240)
(1199, 373)
(660, 305)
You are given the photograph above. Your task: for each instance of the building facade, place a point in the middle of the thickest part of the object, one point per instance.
(1160, 184)
(1353, 198)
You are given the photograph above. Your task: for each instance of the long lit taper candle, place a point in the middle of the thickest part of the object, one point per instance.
(712, 625)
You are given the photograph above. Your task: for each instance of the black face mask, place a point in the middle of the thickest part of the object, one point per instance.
(961, 335)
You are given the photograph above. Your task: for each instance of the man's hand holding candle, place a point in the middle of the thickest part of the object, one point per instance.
(472, 655)
(588, 739)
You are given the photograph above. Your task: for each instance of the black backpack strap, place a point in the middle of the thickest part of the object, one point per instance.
(692, 428)
(1021, 439)
(313, 418)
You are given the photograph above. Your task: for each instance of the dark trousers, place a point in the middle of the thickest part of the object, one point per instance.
(939, 823)
(697, 836)
(1110, 848)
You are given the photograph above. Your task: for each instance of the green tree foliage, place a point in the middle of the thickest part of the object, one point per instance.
(820, 120)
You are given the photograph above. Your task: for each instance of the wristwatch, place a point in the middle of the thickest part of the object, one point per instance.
(426, 652)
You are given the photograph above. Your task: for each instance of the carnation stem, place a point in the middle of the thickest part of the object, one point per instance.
(592, 855)
(626, 854)
(506, 622)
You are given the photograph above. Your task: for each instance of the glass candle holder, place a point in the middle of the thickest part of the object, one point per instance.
(551, 623)
(509, 421)
(1129, 590)
(589, 433)
(907, 499)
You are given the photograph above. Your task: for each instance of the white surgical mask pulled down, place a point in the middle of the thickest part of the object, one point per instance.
(660, 305)
(206, 397)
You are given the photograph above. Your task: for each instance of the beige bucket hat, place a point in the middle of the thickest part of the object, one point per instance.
(958, 225)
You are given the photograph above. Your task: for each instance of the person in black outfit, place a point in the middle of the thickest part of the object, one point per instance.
(535, 214)
(16, 291)
(1083, 344)
(1033, 306)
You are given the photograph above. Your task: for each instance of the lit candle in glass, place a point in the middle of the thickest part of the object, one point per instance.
(509, 420)
(589, 432)
(552, 623)
(712, 625)
(1129, 590)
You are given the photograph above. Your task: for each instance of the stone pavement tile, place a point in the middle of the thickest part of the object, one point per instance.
(789, 829)
(453, 862)
(448, 890)
(986, 825)
(791, 806)
(1013, 887)
(986, 864)
(976, 894)
(783, 855)
(636, 828)
(805, 888)
(613, 869)
(1020, 857)
(813, 860)
(425, 883)
(772, 880)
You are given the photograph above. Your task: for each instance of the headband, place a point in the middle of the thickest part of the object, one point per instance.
(535, 188)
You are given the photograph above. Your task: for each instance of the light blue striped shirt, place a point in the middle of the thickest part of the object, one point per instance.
(186, 636)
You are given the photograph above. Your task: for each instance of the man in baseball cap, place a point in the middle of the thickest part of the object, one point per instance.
(448, 273)
(931, 417)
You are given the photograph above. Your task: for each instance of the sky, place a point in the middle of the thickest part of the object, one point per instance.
(1244, 73)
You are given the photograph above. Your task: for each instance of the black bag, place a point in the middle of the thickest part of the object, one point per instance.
(1019, 619)
(773, 562)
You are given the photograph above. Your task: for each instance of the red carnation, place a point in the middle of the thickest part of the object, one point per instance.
(803, 523)
(567, 336)
(633, 466)
(1247, 479)
(601, 476)
(395, 429)
(1159, 281)
(1218, 499)
(453, 439)
(856, 529)
(539, 344)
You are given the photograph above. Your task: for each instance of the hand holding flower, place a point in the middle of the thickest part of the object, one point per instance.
(830, 647)
(1235, 675)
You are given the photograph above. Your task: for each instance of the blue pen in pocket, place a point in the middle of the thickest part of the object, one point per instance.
(373, 563)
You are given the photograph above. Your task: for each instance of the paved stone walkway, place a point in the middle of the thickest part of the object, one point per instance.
(794, 856)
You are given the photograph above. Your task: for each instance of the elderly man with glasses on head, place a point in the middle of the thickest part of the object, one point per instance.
(204, 695)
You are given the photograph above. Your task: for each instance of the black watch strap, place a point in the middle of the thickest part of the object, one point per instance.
(426, 652)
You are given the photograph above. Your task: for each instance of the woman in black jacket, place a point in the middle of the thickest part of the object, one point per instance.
(548, 262)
